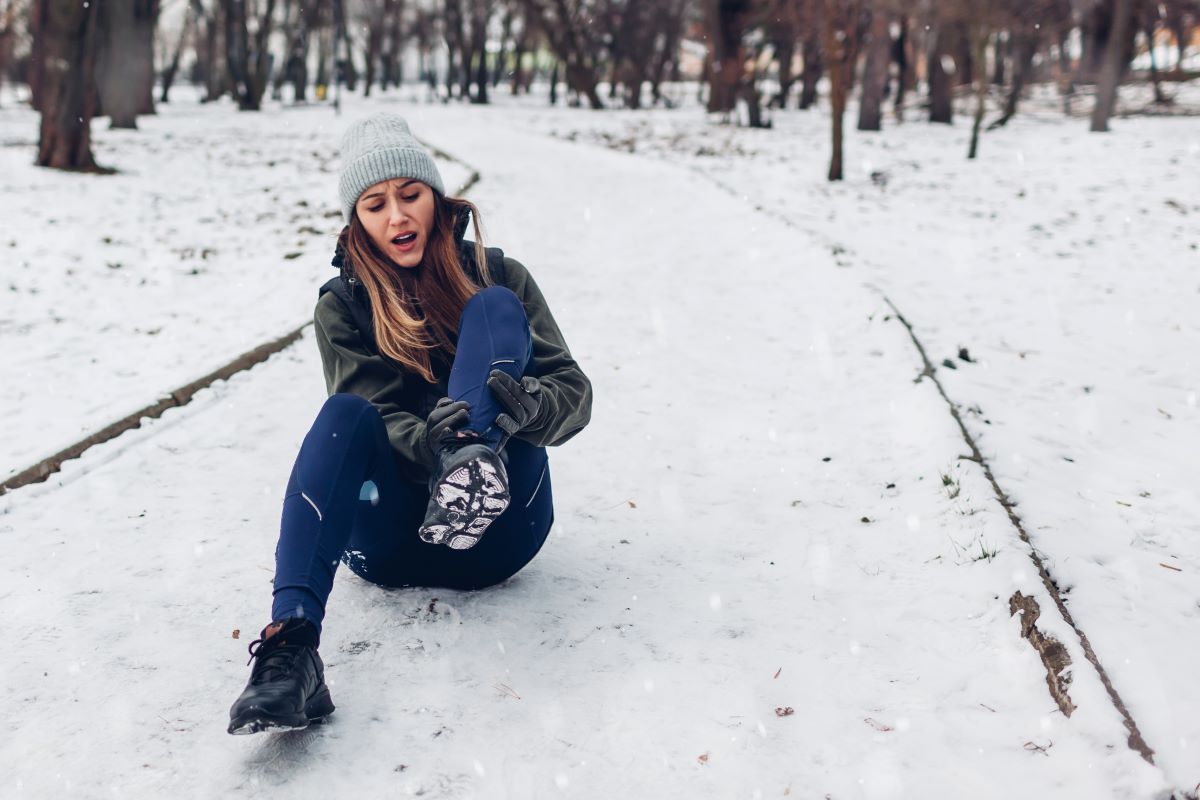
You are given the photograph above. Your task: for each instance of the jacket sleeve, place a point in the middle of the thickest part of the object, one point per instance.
(566, 391)
(350, 367)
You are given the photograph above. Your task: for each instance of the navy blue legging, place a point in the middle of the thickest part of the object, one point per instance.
(347, 501)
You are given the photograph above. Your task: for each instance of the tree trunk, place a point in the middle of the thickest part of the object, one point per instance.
(481, 72)
(1181, 31)
(583, 81)
(1001, 47)
(8, 20)
(298, 66)
(810, 75)
(1024, 44)
(875, 72)
(749, 94)
(66, 35)
(518, 70)
(1159, 97)
(502, 56)
(941, 106)
(280, 76)
(464, 73)
(373, 56)
(726, 22)
(964, 62)
(905, 74)
(978, 37)
(248, 58)
(1114, 66)
(172, 69)
(322, 77)
(786, 50)
(839, 28)
(125, 62)
(211, 62)
(1095, 34)
(554, 84)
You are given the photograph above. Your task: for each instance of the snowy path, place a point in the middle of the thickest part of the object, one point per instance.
(709, 563)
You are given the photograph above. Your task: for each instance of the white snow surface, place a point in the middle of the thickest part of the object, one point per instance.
(755, 520)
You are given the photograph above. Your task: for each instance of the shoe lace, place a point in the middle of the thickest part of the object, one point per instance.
(275, 660)
(451, 441)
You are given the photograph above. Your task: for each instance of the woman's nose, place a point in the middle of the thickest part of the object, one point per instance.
(396, 210)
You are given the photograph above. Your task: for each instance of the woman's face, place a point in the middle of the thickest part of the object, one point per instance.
(398, 215)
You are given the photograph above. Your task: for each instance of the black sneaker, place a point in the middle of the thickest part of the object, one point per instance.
(287, 685)
(468, 490)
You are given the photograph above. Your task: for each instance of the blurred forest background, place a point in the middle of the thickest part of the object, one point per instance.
(79, 59)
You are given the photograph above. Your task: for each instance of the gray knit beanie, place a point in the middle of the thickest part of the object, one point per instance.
(380, 148)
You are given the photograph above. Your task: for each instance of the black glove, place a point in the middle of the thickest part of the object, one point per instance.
(447, 417)
(522, 401)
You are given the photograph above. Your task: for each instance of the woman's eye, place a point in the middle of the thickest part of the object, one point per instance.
(412, 197)
(373, 210)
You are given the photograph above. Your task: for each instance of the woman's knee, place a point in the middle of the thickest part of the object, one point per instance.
(496, 297)
(343, 412)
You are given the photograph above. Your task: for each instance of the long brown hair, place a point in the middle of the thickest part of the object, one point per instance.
(416, 310)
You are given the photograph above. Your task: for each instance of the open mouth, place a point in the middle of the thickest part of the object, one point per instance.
(404, 238)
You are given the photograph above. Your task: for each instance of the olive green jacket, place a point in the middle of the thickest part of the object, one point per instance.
(403, 398)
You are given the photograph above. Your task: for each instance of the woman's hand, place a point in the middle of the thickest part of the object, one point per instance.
(446, 418)
(521, 400)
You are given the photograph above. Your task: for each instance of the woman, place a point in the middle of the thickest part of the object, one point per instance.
(426, 466)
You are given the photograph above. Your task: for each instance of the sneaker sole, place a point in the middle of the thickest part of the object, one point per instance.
(255, 720)
(465, 502)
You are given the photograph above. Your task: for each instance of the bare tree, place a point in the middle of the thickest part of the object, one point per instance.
(1115, 61)
(168, 78)
(210, 62)
(727, 23)
(810, 16)
(875, 70)
(10, 12)
(393, 13)
(522, 43)
(480, 15)
(978, 22)
(670, 17)
(458, 68)
(372, 17)
(125, 62)
(65, 43)
(906, 73)
(841, 31)
(1182, 16)
(940, 66)
(246, 53)
(1149, 16)
(566, 26)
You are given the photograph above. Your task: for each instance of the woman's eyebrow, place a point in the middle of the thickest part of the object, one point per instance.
(381, 193)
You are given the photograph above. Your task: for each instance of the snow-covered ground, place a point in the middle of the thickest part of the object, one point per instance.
(757, 518)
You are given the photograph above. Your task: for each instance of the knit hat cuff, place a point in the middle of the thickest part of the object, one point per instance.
(381, 165)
